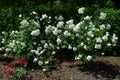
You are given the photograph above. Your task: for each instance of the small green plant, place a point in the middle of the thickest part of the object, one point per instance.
(16, 71)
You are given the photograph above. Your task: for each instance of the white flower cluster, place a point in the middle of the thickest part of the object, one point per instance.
(35, 32)
(15, 46)
(102, 16)
(24, 23)
(81, 10)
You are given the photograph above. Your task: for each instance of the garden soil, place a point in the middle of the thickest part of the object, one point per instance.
(102, 68)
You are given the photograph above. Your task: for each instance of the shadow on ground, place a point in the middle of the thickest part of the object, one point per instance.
(100, 69)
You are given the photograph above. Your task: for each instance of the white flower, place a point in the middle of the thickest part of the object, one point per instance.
(61, 18)
(77, 35)
(23, 44)
(66, 33)
(44, 70)
(58, 40)
(51, 45)
(71, 26)
(102, 53)
(108, 26)
(97, 46)
(35, 32)
(58, 47)
(45, 45)
(35, 60)
(42, 41)
(60, 24)
(33, 12)
(33, 51)
(87, 17)
(102, 16)
(69, 22)
(90, 34)
(24, 23)
(20, 15)
(37, 53)
(105, 38)
(85, 47)
(56, 31)
(53, 52)
(39, 48)
(3, 41)
(7, 49)
(69, 47)
(82, 44)
(1, 49)
(98, 40)
(75, 29)
(44, 16)
(89, 58)
(109, 44)
(88, 39)
(81, 10)
(91, 25)
(78, 57)
(74, 49)
(102, 26)
(114, 38)
(5, 55)
(63, 46)
(46, 62)
(40, 63)
(41, 52)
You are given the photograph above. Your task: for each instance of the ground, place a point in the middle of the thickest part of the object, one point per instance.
(102, 68)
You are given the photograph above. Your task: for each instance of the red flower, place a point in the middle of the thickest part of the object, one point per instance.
(5, 71)
(22, 62)
(11, 65)
(11, 73)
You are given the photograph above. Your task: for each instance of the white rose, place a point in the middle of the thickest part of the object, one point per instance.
(20, 15)
(24, 23)
(87, 17)
(46, 62)
(98, 40)
(7, 49)
(60, 24)
(44, 16)
(81, 10)
(53, 52)
(74, 49)
(69, 47)
(97, 46)
(85, 47)
(109, 44)
(33, 51)
(44, 70)
(89, 58)
(108, 26)
(102, 26)
(33, 12)
(69, 22)
(102, 16)
(40, 63)
(105, 38)
(102, 53)
(45, 45)
(35, 60)
(58, 40)
(35, 32)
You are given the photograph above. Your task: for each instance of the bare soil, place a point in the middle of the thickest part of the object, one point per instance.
(102, 68)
